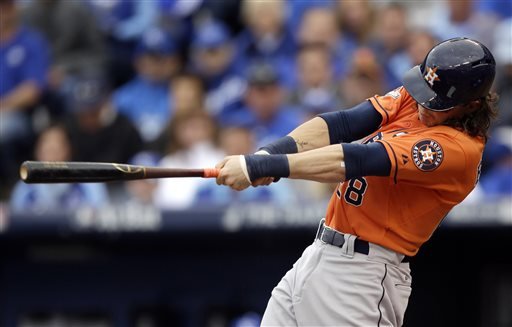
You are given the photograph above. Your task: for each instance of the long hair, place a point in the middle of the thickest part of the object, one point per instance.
(476, 123)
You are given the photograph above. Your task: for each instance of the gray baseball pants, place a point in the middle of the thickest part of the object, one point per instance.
(332, 286)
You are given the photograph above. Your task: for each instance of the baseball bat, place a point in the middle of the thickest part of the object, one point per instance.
(91, 172)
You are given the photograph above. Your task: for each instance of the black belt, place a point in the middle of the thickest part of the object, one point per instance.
(333, 237)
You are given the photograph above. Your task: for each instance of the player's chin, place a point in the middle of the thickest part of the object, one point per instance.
(425, 120)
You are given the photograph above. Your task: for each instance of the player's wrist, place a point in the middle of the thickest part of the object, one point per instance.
(243, 165)
(259, 166)
(283, 145)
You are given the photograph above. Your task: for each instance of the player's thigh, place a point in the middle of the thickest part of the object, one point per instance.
(280, 311)
(342, 292)
(398, 290)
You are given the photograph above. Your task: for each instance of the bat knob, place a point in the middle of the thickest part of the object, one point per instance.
(24, 171)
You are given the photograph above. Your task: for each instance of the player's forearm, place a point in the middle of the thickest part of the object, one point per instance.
(332, 163)
(322, 165)
(342, 126)
(313, 134)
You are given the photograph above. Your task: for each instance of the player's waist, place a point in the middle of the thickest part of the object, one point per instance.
(331, 236)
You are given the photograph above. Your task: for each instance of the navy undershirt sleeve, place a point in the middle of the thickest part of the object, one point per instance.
(352, 124)
(365, 160)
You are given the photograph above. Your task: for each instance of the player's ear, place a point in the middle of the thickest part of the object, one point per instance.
(472, 106)
(465, 109)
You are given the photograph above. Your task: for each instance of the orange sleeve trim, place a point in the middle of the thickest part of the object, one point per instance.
(380, 109)
(394, 162)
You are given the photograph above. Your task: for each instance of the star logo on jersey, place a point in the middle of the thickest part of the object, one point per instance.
(427, 155)
(431, 76)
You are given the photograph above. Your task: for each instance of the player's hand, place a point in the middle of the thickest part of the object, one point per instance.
(264, 181)
(231, 174)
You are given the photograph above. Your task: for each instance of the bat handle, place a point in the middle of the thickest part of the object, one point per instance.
(211, 173)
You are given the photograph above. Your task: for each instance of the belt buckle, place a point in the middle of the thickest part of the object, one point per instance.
(321, 230)
(322, 235)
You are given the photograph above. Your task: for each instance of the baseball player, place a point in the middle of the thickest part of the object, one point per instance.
(421, 154)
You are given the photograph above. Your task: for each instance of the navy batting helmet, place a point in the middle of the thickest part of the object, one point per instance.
(454, 72)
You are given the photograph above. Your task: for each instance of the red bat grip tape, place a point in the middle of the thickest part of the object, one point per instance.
(211, 172)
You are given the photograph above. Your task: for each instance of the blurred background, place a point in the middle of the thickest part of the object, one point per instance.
(183, 83)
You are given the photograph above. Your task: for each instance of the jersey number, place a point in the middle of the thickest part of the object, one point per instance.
(355, 191)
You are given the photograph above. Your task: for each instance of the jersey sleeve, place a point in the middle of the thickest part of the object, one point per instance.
(434, 161)
(352, 124)
(389, 105)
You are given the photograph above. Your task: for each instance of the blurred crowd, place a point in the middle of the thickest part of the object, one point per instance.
(183, 83)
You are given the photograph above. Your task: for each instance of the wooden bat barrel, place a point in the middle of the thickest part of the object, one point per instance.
(92, 172)
(78, 172)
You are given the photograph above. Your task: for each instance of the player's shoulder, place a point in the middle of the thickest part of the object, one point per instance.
(454, 140)
(398, 94)
(454, 134)
(394, 104)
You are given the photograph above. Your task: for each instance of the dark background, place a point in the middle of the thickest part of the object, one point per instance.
(181, 275)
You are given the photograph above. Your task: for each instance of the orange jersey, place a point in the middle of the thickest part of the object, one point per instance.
(432, 170)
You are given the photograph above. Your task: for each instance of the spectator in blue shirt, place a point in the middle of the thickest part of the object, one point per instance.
(180, 8)
(146, 99)
(266, 37)
(497, 182)
(24, 64)
(212, 59)
(123, 22)
(53, 145)
(24, 61)
(177, 18)
(408, 52)
(356, 20)
(496, 172)
(265, 112)
(390, 43)
(454, 18)
(502, 9)
(298, 8)
(320, 26)
(316, 89)
(503, 54)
